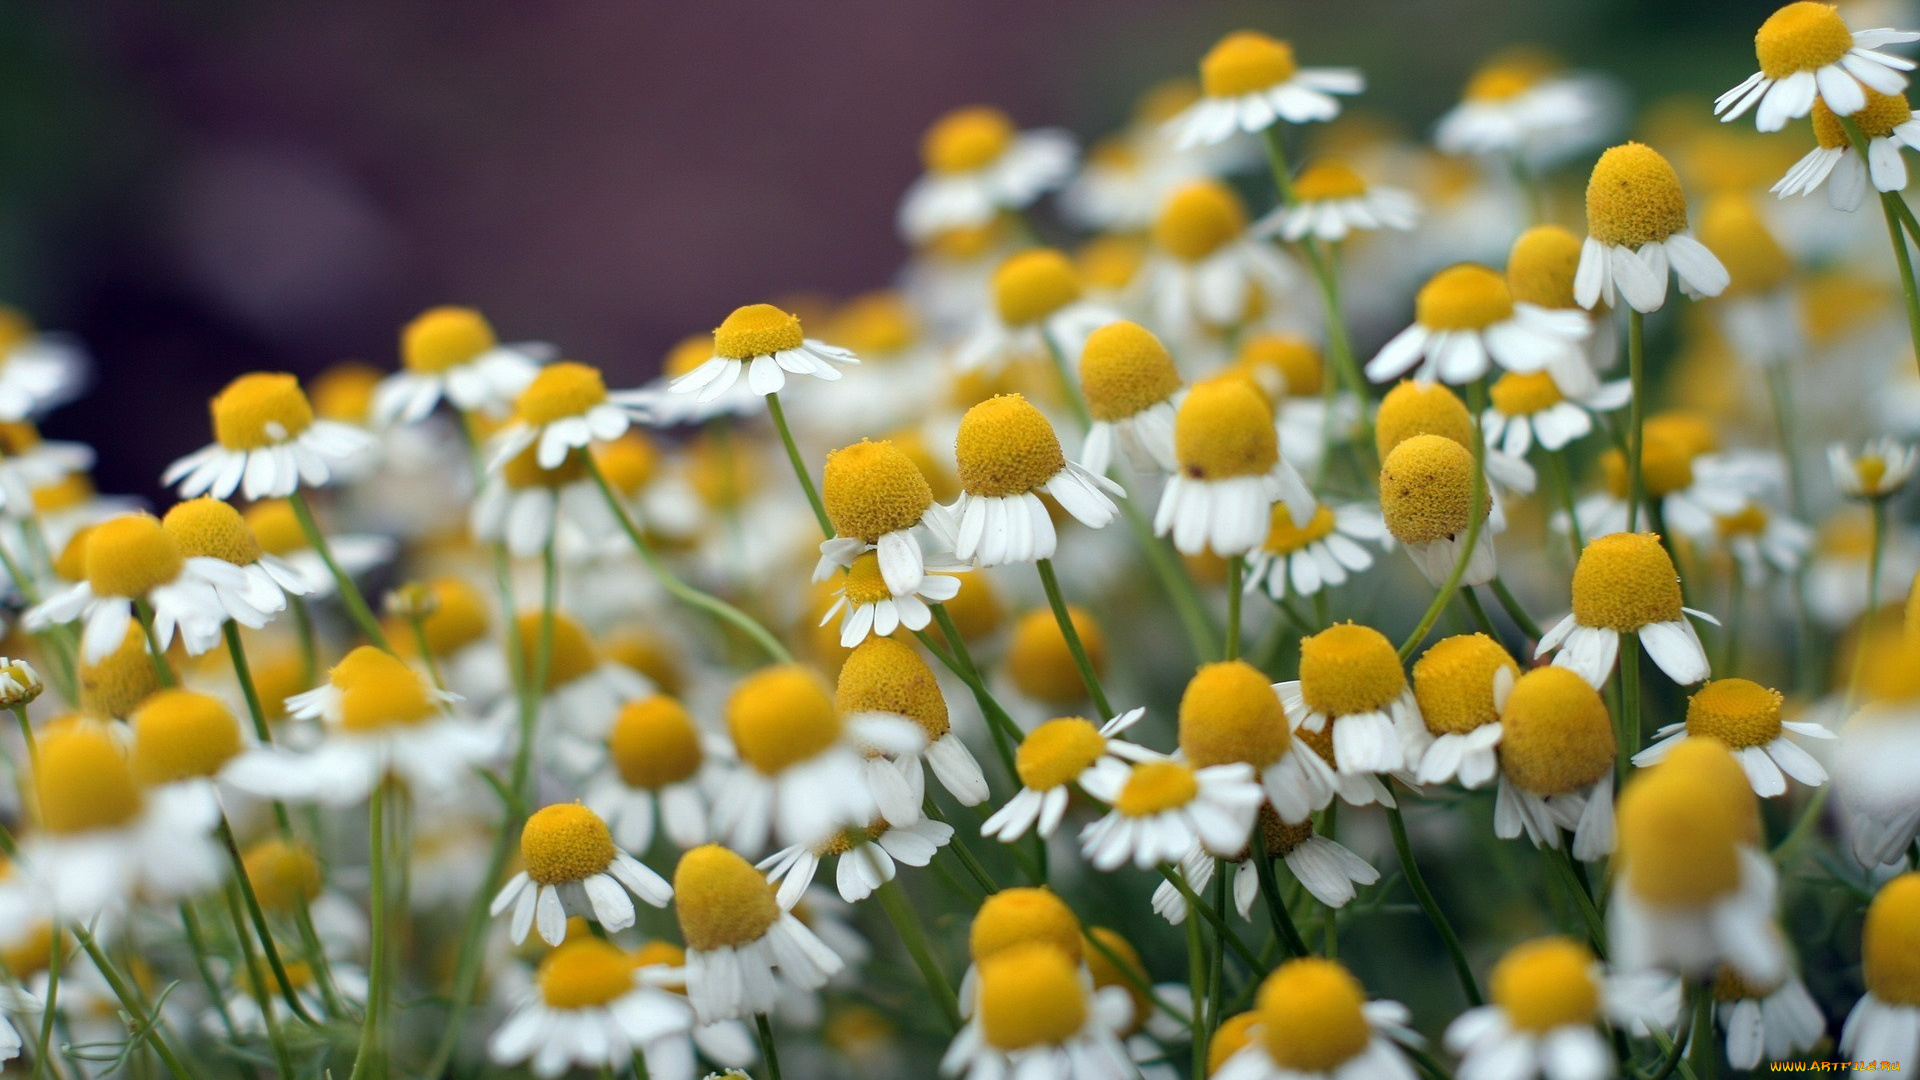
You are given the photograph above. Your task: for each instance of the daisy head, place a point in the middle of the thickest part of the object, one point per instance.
(1351, 683)
(1282, 365)
(1807, 54)
(267, 443)
(1732, 228)
(1545, 1006)
(1230, 472)
(887, 677)
(1007, 453)
(1745, 717)
(657, 759)
(283, 873)
(1319, 552)
(1198, 219)
(873, 609)
(742, 946)
(180, 735)
(1556, 761)
(1541, 266)
(1466, 316)
(1314, 1021)
(1231, 713)
(1453, 683)
(133, 560)
(767, 344)
(117, 683)
(587, 1008)
(1162, 809)
(977, 166)
(20, 685)
(1625, 583)
(207, 528)
(1331, 201)
(563, 409)
(451, 353)
(1636, 230)
(1037, 1012)
(1880, 469)
(875, 494)
(1024, 915)
(1129, 382)
(1249, 82)
(1427, 500)
(1523, 102)
(1040, 664)
(1890, 956)
(1054, 756)
(574, 868)
(1886, 123)
(1421, 407)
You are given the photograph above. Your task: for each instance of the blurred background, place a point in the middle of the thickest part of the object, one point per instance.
(202, 188)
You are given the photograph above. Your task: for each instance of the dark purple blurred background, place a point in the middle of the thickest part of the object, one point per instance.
(200, 189)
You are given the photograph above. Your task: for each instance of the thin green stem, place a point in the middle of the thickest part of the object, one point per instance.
(799, 463)
(144, 1026)
(1636, 416)
(197, 946)
(1476, 522)
(912, 935)
(1511, 605)
(370, 1061)
(50, 1008)
(1284, 929)
(1236, 575)
(1196, 978)
(767, 1053)
(1218, 958)
(1730, 634)
(1673, 1051)
(259, 920)
(1562, 862)
(350, 594)
(1196, 904)
(1563, 484)
(1418, 883)
(256, 986)
(1074, 646)
(1479, 613)
(143, 612)
(1704, 1053)
(1069, 382)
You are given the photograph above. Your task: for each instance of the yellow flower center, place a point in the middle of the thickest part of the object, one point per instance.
(1109, 263)
(560, 390)
(873, 488)
(1546, 984)
(282, 873)
(1676, 849)
(1890, 943)
(1666, 466)
(629, 462)
(1006, 447)
(1042, 666)
(379, 691)
(1030, 995)
(1243, 62)
(523, 470)
(877, 323)
(781, 716)
(1625, 581)
(864, 583)
(260, 410)
(1523, 394)
(276, 527)
(1285, 538)
(1871, 469)
(654, 743)
(1310, 1015)
(65, 494)
(1234, 1034)
(1749, 520)
(182, 735)
(659, 954)
(83, 782)
(1034, 284)
(208, 527)
(1634, 198)
(1197, 219)
(1719, 781)
(882, 674)
(1736, 712)
(1464, 297)
(721, 899)
(565, 842)
(1230, 713)
(460, 616)
(1328, 180)
(966, 139)
(1801, 37)
(757, 330)
(1453, 682)
(1882, 113)
(1500, 82)
(1555, 736)
(1426, 489)
(1057, 752)
(344, 392)
(967, 242)
(122, 679)
(1023, 916)
(15, 327)
(1349, 668)
(585, 973)
(1730, 985)
(1732, 228)
(1541, 266)
(1124, 369)
(570, 653)
(1155, 787)
(1225, 429)
(1283, 365)
(131, 555)
(1123, 969)
(442, 338)
(1421, 408)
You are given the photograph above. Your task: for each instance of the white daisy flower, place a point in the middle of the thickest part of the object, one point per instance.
(1037, 306)
(866, 858)
(1807, 54)
(132, 560)
(1885, 1024)
(1453, 683)
(13, 1003)
(565, 408)
(1746, 717)
(1427, 502)
(883, 682)
(1328, 870)
(1007, 453)
(659, 768)
(524, 505)
(208, 528)
(1550, 997)
(977, 165)
(29, 464)
(1887, 122)
(743, 947)
(876, 498)
(451, 353)
(727, 1043)
(766, 344)
(1769, 1021)
(1636, 231)
(1050, 760)
(38, 371)
(867, 607)
(1531, 408)
(1230, 473)
(1694, 489)
(267, 443)
(277, 527)
(1330, 547)
(1132, 391)
(1625, 583)
(1764, 542)
(1879, 748)
(1466, 316)
(1331, 201)
(1250, 82)
(1161, 809)
(1230, 712)
(1351, 684)
(583, 692)
(1314, 1022)
(1036, 1015)
(574, 868)
(1523, 104)
(1556, 761)
(589, 1009)
(1879, 470)
(1208, 274)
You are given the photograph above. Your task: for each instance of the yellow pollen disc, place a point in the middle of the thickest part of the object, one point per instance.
(654, 743)
(282, 873)
(18, 437)
(122, 679)
(757, 330)
(1023, 916)
(565, 842)
(1890, 942)
(15, 327)
(781, 716)
(442, 338)
(1555, 735)
(208, 527)
(1030, 995)
(131, 555)
(629, 462)
(1006, 447)
(1523, 394)
(648, 652)
(1244, 62)
(344, 392)
(1729, 985)
(393, 696)
(1109, 263)
(1736, 712)
(1718, 780)
(1694, 433)
(1453, 682)
(659, 954)
(83, 782)
(1124, 369)
(1801, 37)
(1197, 219)
(523, 470)
(1500, 82)
(260, 410)
(276, 527)
(1666, 466)
(876, 324)
(1155, 787)
(689, 353)
(1283, 365)
(721, 899)
(571, 655)
(1634, 198)
(1675, 850)
(864, 583)
(182, 735)
(967, 242)
(1328, 180)
(31, 952)
(585, 973)
(1426, 489)
(1230, 713)
(1057, 752)
(460, 616)
(966, 139)
(873, 488)
(1625, 581)
(882, 674)
(1225, 429)
(1040, 663)
(1541, 266)
(1124, 970)
(1034, 284)
(1464, 297)
(1349, 668)
(1421, 408)
(1234, 1034)
(560, 390)
(1882, 113)
(64, 494)
(1749, 520)
(1732, 228)
(1285, 538)
(1310, 1015)
(1546, 984)
(1280, 838)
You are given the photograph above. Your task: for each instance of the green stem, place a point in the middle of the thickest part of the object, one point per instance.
(1196, 979)
(1476, 405)
(349, 592)
(1069, 384)
(767, 1053)
(197, 945)
(1195, 904)
(1704, 1053)
(1563, 484)
(1284, 929)
(1514, 610)
(1636, 416)
(144, 1026)
(161, 667)
(1478, 613)
(370, 1061)
(1236, 574)
(1080, 659)
(1174, 580)
(262, 997)
(1673, 1050)
(50, 1008)
(914, 937)
(259, 919)
(799, 465)
(1434, 915)
(1563, 866)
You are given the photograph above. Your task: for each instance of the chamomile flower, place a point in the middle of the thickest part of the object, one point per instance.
(1466, 316)
(1885, 1024)
(1331, 201)
(1556, 761)
(868, 607)
(1879, 470)
(1328, 870)
(1888, 124)
(1636, 231)
(977, 165)
(206, 528)
(1052, 758)
(884, 680)
(1230, 472)
(1878, 747)
(1038, 1016)
(1453, 683)
(182, 737)
(1302, 559)
(1352, 685)
(866, 858)
(1549, 997)
(743, 947)
(1426, 499)
(805, 777)
(524, 504)
(565, 408)
(1531, 408)
(1315, 1023)
(660, 767)
(37, 370)
(1414, 407)
(1542, 265)
(1132, 388)
(583, 691)
(876, 496)
(728, 1043)
(1125, 178)
(1039, 664)
(451, 353)
(574, 868)
(1290, 371)
(1523, 104)
(267, 443)
(1759, 312)
(1694, 486)
(133, 560)
(1249, 82)
(1007, 453)
(1161, 809)
(588, 1009)
(766, 344)
(1763, 541)
(13, 1003)
(1746, 717)
(1807, 54)
(1037, 305)
(1231, 713)
(1765, 1020)
(277, 527)
(1208, 274)
(1625, 583)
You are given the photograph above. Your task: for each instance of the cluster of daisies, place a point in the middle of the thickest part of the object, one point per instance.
(1263, 598)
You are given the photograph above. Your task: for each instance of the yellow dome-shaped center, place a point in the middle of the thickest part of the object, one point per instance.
(344, 392)
(1546, 984)
(1453, 682)
(1155, 787)
(1421, 408)
(1555, 736)
(1737, 712)
(1801, 37)
(781, 716)
(757, 330)
(442, 338)
(1890, 942)
(1245, 62)
(122, 679)
(1732, 228)
(1525, 393)
(213, 529)
(83, 782)
(1311, 1016)
(1022, 916)
(873, 488)
(1005, 446)
(1057, 752)
(629, 463)
(1034, 284)
(864, 582)
(1198, 219)
(721, 899)
(1426, 489)
(1328, 180)
(1285, 538)
(182, 735)
(1284, 365)
(560, 391)
(1030, 995)
(1224, 429)
(1634, 198)
(1876, 120)
(654, 743)
(1541, 266)
(877, 323)
(131, 555)
(1675, 848)
(1230, 713)
(460, 616)
(1349, 668)
(966, 139)
(585, 973)
(282, 873)
(1464, 297)
(565, 842)
(1124, 369)
(276, 527)
(571, 654)
(1039, 662)
(882, 674)
(392, 695)
(1666, 466)
(260, 410)
(1625, 581)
